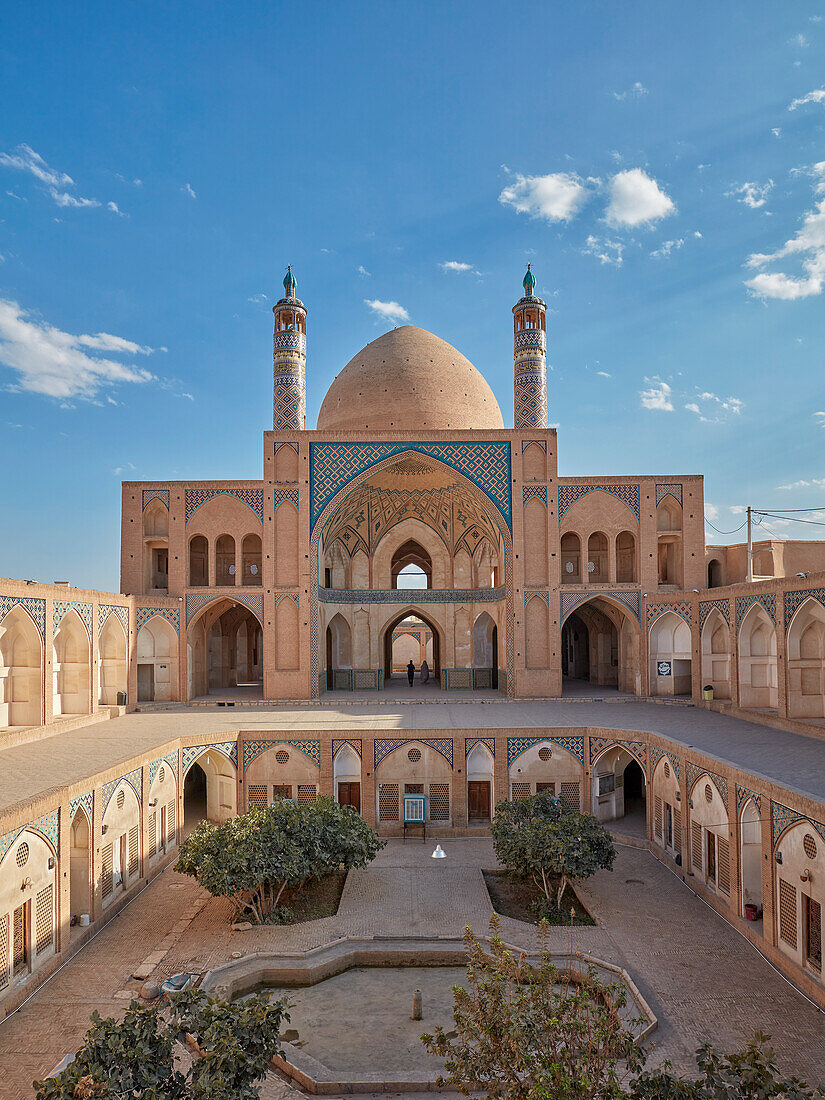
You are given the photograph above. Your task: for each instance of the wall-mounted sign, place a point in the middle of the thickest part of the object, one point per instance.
(664, 668)
(413, 809)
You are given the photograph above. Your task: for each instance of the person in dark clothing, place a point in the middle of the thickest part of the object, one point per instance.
(411, 673)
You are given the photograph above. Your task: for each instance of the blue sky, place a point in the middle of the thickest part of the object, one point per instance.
(662, 167)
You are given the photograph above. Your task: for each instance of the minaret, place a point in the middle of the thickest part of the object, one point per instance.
(529, 358)
(289, 357)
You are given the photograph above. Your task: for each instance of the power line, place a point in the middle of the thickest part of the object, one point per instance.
(760, 512)
(777, 515)
(718, 532)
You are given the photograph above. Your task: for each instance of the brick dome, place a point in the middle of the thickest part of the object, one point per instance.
(409, 379)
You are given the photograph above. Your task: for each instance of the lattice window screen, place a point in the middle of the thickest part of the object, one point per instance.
(133, 851)
(18, 959)
(657, 817)
(696, 847)
(388, 802)
(307, 792)
(723, 864)
(256, 795)
(152, 834)
(519, 790)
(787, 914)
(106, 879)
(43, 919)
(170, 822)
(677, 831)
(4, 951)
(439, 802)
(570, 796)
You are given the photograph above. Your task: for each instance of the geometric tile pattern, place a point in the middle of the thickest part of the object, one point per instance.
(663, 490)
(794, 599)
(171, 759)
(61, 607)
(48, 826)
(411, 595)
(196, 601)
(194, 498)
(530, 397)
(541, 595)
(334, 465)
(656, 755)
(309, 748)
(469, 742)
(722, 606)
(766, 600)
(742, 796)
(569, 601)
(87, 801)
(635, 748)
(528, 492)
(286, 596)
(517, 745)
(694, 773)
(171, 614)
(628, 494)
(228, 748)
(156, 494)
(783, 816)
(385, 745)
(104, 610)
(36, 608)
(280, 495)
(289, 402)
(339, 742)
(134, 781)
(525, 443)
(654, 611)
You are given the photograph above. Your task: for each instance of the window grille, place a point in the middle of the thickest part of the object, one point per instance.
(256, 795)
(121, 799)
(570, 796)
(809, 844)
(708, 793)
(544, 754)
(388, 802)
(4, 951)
(161, 775)
(281, 756)
(677, 831)
(19, 960)
(439, 802)
(307, 792)
(133, 851)
(414, 755)
(787, 914)
(152, 834)
(667, 770)
(22, 856)
(657, 817)
(696, 847)
(723, 864)
(170, 821)
(519, 790)
(43, 919)
(106, 878)
(813, 933)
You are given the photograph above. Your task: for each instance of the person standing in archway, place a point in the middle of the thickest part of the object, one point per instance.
(411, 672)
(425, 671)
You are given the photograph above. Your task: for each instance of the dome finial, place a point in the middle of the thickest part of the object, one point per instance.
(529, 283)
(289, 282)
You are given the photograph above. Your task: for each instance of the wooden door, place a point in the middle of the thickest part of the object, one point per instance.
(146, 683)
(349, 794)
(478, 800)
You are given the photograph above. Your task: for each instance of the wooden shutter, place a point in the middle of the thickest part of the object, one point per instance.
(171, 834)
(44, 919)
(677, 831)
(787, 914)
(4, 951)
(723, 864)
(152, 834)
(134, 861)
(106, 879)
(439, 802)
(19, 960)
(696, 847)
(307, 793)
(657, 818)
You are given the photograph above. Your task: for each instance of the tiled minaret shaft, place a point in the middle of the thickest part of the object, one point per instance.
(529, 358)
(289, 356)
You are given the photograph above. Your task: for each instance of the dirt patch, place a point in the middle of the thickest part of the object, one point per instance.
(317, 899)
(520, 899)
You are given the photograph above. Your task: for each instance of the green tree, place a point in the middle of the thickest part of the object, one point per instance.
(253, 858)
(138, 1056)
(531, 1032)
(540, 839)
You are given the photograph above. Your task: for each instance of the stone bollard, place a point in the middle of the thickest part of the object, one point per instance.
(416, 1012)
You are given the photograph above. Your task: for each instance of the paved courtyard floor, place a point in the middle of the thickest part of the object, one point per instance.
(701, 978)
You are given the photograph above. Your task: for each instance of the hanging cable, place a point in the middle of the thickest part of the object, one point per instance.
(718, 532)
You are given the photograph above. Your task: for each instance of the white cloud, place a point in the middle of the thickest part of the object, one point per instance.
(737, 509)
(115, 209)
(693, 407)
(697, 234)
(25, 159)
(711, 511)
(713, 409)
(636, 199)
(605, 251)
(362, 271)
(604, 374)
(258, 299)
(815, 482)
(777, 131)
(188, 189)
(56, 363)
(556, 197)
(808, 245)
(751, 194)
(817, 96)
(820, 417)
(390, 311)
(800, 41)
(636, 91)
(458, 266)
(127, 467)
(666, 247)
(658, 396)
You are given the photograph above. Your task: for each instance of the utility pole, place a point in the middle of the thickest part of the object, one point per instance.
(750, 546)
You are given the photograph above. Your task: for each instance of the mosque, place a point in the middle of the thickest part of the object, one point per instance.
(259, 641)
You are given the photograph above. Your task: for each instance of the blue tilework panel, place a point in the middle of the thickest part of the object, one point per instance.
(194, 498)
(190, 754)
(385, 745)
(529, 492)
(171, 614)
(171, 759)
(783, 816)
(409, 595)
(471, 742)
(628, 494)
(196, 601)
(133, 778)
(569, 601)
(665, 490)
(104, 610)
(63, 607)
(253, 749)
(35, 608)
(766, 600)
(339, 742)
(656, 610)
(334, 465)
(517, 745)
(87, 801)
(742, 796)
(635, 748)
(156, 494)
(694, 773)
(793, 600)
(723, 606)
(656, 755)
(534, 442)
(279, 496)
(48, 826)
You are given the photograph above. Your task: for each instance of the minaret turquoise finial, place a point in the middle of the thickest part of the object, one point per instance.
(529, 283)
(290, 284)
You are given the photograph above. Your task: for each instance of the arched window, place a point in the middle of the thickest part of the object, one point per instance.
(625, 558)
(411, 560)
(198, 561)
(597, 558)
(714, 573)
(225, 560)
(252, 560)
(570, 559)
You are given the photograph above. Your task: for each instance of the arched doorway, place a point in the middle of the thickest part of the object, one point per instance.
(806, 661)
(600, 648)
(485, 652)
(620, 790)
(411, 566)
(226, 645)
(112, 661)
(211, 793)
(670, 656)
(21, 695)
(80, 879)
(435, 642)
(716, 654)
(157, 661)
(347, 777)
(339, 654)
(480, 767)
(71, 668)
(750, 840)
(194, 798)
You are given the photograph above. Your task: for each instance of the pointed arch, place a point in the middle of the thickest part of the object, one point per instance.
(758, 676)
(71, 666)
(21, 669)
(806, 660)
(113, 661)
(716, 654)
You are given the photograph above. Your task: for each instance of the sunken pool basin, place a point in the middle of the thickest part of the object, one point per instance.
(351, 1028)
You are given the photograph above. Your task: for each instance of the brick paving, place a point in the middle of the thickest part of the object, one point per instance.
(702, 979)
